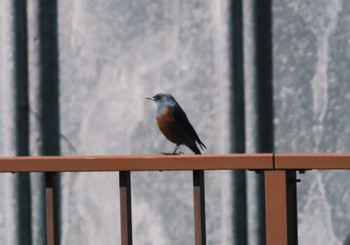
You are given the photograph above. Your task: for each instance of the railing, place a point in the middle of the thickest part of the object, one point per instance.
(279, 170)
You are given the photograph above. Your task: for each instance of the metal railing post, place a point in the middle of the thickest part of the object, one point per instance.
(281, 208)
(199, 207)
(276, 207)
(125, 207)
(292, 208)
(51, 208)
(50, 237)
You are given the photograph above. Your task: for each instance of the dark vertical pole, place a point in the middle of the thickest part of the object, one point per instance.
(239, 186)
(125, 208)
(240, 224)
(49, 86)
(199, 207)
(264, 84)
(21, 78)
(22, 118)
(49, 106)
(264, 96)
(292, 208)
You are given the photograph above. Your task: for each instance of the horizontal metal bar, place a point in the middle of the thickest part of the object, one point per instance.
(135, 163)
(312, 161)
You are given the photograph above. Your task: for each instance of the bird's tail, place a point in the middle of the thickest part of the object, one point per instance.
(194, 148)
(201, 144)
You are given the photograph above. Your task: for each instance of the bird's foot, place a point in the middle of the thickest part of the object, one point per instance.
(172, 153)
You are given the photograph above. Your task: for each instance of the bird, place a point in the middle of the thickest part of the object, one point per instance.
(174, 124)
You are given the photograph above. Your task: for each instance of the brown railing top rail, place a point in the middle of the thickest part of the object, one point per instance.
(305, 161)
(266, 161)
(136, 163)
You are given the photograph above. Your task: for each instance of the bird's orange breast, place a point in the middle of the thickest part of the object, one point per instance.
(164, 119)
(169, 127)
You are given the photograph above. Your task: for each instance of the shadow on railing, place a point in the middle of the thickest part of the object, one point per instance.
(279, 170)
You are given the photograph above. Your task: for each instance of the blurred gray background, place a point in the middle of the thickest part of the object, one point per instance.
(252, 76)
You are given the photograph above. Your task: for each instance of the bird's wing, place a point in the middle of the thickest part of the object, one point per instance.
(181, 118)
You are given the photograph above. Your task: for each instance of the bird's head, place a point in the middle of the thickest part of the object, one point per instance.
(163, 99)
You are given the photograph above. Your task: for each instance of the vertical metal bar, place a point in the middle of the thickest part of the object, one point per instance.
(23, 190)
(52, 207)
(240, 216)
(239, 186)
(49, 100)
(21, 78)
(276, 207)
(264, 75)
(125, 207)
(292, 209)
(50, 237)
(264, 97)
(199, 207)
(49, 78)
(261, 215)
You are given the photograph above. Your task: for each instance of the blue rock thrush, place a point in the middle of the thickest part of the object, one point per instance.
(173, 123)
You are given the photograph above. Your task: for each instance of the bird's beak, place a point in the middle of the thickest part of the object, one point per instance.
(150, 98)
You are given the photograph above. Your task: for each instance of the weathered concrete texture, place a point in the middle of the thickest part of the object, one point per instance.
(8, 234)
(312, 95)
(113, 54)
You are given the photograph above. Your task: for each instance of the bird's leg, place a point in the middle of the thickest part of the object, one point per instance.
(174, 152)
(175, 149)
